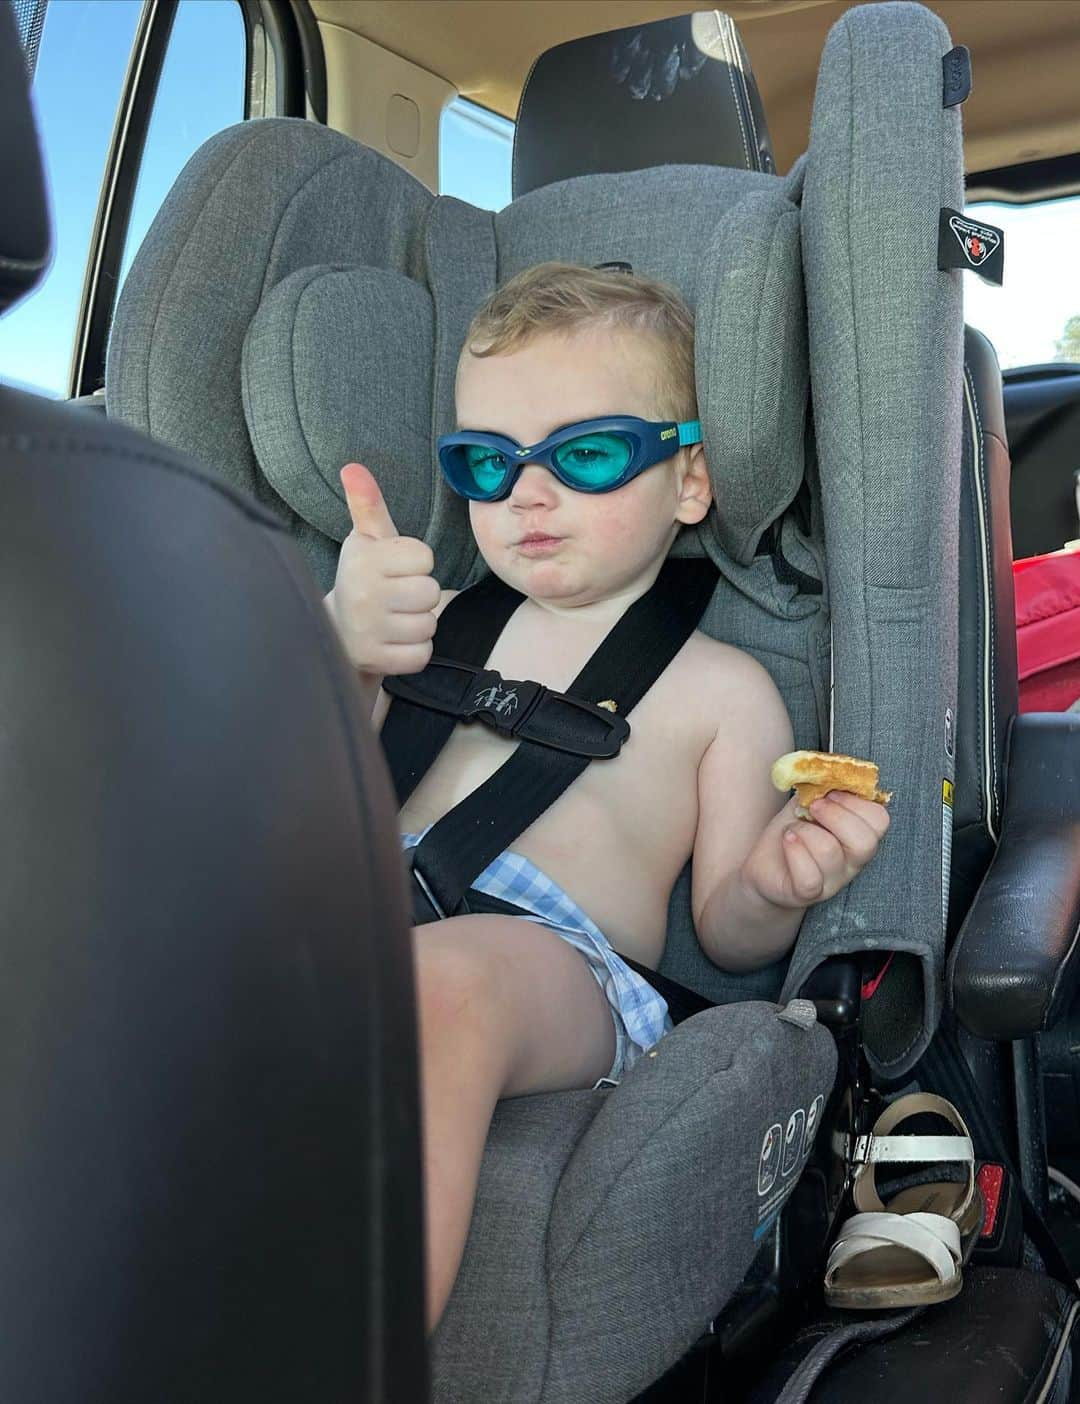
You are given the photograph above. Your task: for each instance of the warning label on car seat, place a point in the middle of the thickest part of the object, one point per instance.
(962, 243)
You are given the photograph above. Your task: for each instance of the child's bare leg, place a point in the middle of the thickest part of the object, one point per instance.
(505, 1007)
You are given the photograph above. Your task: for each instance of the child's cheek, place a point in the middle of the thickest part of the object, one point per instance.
(621, 523)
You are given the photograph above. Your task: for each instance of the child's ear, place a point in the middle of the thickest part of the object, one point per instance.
(695, 490)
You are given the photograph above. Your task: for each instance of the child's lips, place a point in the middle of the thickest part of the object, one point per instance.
(538, 543)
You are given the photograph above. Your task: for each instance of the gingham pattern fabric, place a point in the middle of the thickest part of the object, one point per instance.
(639, 1012)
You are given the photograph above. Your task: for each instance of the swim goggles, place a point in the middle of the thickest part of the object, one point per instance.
(596, 455)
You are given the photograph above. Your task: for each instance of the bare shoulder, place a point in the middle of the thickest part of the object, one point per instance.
(728, 668)
(737, 693)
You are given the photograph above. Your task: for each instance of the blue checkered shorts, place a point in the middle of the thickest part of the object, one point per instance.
(640, 1014)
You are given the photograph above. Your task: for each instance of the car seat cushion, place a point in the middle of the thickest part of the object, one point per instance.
(736, 260)
(752, 367)
(337, 366)
(886, 344)
(610, 1226)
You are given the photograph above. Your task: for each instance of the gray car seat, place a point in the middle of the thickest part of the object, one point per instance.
(189, 943)
(279, 314)
(571, 87)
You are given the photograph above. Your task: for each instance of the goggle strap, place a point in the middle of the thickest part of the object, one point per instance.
(689, 432)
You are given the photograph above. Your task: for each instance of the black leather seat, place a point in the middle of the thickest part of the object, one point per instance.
(211, 1174)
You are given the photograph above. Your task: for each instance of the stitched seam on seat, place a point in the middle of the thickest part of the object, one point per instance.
(520, 110)
(297, 193)
(167, 284)
(746, 92)
(644, 1142)
(756, 411)
(982, 712)
(729, 59)
(295, 397)
(33, 443)
(991, 701)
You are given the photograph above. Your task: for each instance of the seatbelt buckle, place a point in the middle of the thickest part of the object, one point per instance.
(524, 710)
(501, 702)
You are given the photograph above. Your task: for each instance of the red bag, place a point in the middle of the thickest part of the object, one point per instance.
(1048, 630)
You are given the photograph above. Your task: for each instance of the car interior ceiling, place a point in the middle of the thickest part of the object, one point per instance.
(485, 48)
(1012, 1324)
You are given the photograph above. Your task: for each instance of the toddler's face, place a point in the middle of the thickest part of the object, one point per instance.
(545, 539)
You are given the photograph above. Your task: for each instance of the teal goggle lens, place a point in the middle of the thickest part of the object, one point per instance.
(594, 460)
(590, 463)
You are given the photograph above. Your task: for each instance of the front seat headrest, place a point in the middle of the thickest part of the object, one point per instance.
(25, 236)
(675, 92)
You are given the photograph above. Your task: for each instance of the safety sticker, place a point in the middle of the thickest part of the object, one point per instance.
(812, 1118)
(962, 243)
(769, 1164)
(946, 846)
(793, 1141)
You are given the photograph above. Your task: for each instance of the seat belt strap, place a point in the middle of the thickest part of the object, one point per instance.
(412, 735)
(623, 668)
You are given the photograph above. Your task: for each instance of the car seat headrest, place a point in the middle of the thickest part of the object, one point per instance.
(676, 91)
(25, 237)
(732, 250)
(341, 313)
(337, 365)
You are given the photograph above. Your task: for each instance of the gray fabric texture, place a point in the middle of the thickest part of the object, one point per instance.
(740, 273)
(255, 203)
(886, 357)
(343, 345)
(333, 359)
(654, 1201)
(751, 355)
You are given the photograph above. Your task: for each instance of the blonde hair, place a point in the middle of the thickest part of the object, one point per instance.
(563, 297)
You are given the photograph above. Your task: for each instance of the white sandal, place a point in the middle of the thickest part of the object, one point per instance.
(909, 1252)
(893, 1260)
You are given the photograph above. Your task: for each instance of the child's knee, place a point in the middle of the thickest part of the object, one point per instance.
(457, 987)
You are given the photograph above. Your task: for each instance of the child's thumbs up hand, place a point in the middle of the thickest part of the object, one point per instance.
(384, 597)
(367, 506)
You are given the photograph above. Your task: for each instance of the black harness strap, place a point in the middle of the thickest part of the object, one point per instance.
(413, 735)
(526, 710)
(623, 668)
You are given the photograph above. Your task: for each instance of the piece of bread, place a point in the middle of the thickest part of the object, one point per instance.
(812, 774)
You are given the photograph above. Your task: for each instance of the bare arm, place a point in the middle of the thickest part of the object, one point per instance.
(757, 867)
(738, 930)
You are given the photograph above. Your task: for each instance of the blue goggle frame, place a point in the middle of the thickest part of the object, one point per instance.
(649, 442)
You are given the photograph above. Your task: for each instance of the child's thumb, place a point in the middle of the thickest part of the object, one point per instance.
(369, 512)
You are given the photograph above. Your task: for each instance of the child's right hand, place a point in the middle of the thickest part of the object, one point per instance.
(384, 597)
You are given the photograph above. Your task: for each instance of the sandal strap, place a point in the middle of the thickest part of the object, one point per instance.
(871, 1150)
(932, 1237)
(879, 1147)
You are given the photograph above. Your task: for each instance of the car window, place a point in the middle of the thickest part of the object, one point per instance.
(476, 148)
(1035, 316)
(206, 57)
(81, 66)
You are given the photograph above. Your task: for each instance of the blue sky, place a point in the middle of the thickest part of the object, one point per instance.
(81, 68)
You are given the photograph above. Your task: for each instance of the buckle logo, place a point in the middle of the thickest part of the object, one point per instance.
(495, 699)
(977, 241)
